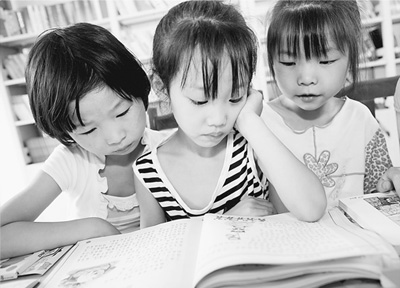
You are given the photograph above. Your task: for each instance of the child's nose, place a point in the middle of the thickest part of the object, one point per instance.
(307, 74)
(217, 115)
(114, 135)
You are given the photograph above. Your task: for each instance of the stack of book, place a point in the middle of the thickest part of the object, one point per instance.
(14, 64)
(37, 18)
(127, 7)
(21, 107)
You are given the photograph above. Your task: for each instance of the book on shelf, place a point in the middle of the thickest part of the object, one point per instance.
(144, 5)
(125, 7)
(26, 21)
(229, 251)
(378, 212)
(10, 24)
(14, 64)
(368, 49)
(138, 41)
(368, 9)
(395, 7)
(396, 35)
(21, 107)
(37, 18)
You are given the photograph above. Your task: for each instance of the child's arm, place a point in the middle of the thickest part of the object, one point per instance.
(21, 235)
(251, 206)
(274, 198)
(298, 188)
(151, 212)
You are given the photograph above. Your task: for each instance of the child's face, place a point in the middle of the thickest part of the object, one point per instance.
(311, 83)
(113, 126)
(205, 121)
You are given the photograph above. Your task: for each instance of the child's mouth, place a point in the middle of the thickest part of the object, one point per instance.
(307, 97)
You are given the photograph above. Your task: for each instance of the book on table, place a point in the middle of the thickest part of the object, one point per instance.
(228, 251)
(37, 263)
(378, 212)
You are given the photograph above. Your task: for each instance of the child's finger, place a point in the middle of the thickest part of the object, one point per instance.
(390, 180)
(384, 185)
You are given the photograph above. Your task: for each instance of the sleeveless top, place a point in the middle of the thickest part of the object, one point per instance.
(239, 178)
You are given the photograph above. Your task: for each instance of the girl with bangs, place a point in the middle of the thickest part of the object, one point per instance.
(220, 157)
(312, 54)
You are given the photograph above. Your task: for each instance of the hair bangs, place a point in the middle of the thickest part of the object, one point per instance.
(88, 81)
(316, 27)
(212, 44)
(308, 31)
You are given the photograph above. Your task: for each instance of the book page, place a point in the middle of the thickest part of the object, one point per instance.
(388, 205)
(378, 212)
(276, 240)
(25, 282)
(35, 263)
(145, 258)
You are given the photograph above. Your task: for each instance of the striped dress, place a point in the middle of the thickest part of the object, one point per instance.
(238, 178)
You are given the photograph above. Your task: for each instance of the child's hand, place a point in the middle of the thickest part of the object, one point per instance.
(254, 105)
(251, 206)
(254, 102)
(390, 180)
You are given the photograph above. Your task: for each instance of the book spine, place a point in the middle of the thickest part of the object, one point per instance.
(21, 22)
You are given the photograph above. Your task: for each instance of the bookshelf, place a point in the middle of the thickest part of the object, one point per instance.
(20, 24)
(133, 22)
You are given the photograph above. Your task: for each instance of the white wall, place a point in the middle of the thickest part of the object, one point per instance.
(12, 168)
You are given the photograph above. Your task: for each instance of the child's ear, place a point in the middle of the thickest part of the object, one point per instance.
(349, 78)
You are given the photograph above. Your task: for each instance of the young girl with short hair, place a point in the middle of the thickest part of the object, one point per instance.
(90, 93)
(219, 159)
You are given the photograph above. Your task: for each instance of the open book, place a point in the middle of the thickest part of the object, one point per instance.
(33, 264)
(379, 212)
(218, 250)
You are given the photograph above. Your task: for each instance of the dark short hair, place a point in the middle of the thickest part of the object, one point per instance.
(310, 23)
(67, 63)
(212, 27)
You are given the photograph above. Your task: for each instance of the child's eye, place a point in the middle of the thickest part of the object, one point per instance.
(88, 132)
(287, 63)
(124, 113)
(198, 103)
(236, 100)
(327, 62)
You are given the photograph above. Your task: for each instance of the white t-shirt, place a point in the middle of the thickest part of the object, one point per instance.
(76, 171)
(348, 155)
